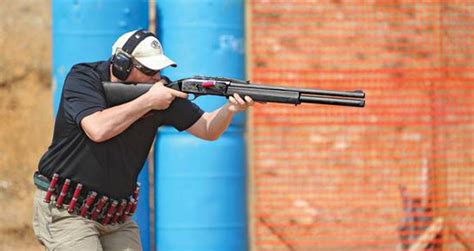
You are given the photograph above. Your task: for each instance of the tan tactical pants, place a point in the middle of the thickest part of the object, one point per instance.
(56, 229)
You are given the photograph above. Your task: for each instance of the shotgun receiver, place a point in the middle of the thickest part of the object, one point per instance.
(118, 93)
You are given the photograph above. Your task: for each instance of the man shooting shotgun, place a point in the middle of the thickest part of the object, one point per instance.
(119, 93)
(87, 178)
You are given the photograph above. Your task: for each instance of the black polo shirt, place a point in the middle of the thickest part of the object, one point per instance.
(111, 167)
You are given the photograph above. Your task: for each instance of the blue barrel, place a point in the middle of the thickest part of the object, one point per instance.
(201, 198)
(204, 37)
(142, 215)
(84, 31)
(200, 186)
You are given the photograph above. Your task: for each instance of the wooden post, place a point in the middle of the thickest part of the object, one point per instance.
(251, 191)
(428, 235)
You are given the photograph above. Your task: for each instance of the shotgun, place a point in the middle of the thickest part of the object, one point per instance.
(118, 92)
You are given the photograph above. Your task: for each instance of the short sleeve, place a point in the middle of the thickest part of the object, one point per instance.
(182, 114)
(82, 94)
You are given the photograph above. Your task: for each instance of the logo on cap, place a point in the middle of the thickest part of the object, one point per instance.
(155, 45)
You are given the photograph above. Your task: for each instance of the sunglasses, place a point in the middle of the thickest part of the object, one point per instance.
(145, 70)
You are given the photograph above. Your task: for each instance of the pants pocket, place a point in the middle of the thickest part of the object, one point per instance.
(41, 218)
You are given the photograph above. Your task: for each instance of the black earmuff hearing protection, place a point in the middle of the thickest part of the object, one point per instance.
(122, 62)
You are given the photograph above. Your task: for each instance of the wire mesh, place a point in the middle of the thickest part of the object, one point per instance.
(395, 175)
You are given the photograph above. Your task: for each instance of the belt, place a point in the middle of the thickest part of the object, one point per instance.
(84, 202)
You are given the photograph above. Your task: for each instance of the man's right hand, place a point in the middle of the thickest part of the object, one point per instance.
(161, 97)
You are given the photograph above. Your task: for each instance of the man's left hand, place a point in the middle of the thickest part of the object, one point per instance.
(238, 104)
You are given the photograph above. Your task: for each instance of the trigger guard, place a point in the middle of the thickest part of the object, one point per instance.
(192, 97)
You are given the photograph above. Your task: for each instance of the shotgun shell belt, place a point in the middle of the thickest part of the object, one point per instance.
(78, 200)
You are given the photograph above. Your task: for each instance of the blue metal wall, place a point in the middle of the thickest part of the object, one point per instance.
(84, 31)
(201, 186)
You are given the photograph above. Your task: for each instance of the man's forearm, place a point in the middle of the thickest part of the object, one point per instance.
(218, 121)
(106, 124)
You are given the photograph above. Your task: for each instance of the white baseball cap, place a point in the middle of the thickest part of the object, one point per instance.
(148, 52)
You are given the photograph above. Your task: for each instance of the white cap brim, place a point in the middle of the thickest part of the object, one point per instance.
(156, 62)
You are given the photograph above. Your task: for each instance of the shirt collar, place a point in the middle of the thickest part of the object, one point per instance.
(104, 70)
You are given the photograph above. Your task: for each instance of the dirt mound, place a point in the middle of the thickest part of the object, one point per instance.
(26, 114)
